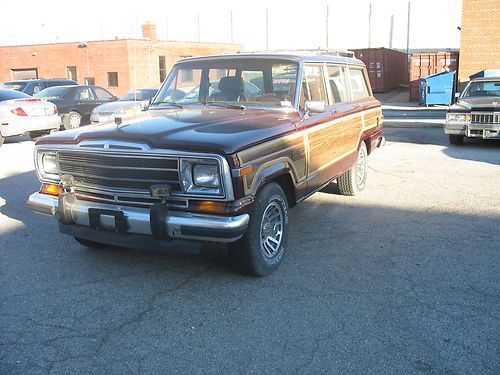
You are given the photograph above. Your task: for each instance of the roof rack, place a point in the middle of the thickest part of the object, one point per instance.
(317, 51)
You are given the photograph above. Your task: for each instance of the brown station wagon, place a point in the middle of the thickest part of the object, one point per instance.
(224, 149)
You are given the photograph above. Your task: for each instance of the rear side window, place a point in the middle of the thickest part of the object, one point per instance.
(338, 83)
(359, 87)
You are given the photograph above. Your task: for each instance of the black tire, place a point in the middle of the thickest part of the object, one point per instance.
(456, 139)
(353, 181)
(37, 134)
(2, 139)
(90, 244)
(72, 120)
(251, 255)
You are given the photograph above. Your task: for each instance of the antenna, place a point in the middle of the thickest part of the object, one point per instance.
(370, 26)
(391, 31)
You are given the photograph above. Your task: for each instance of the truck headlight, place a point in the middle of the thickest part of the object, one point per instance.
(459, 117)
(206, 175)
(201, 176)
(46, 165)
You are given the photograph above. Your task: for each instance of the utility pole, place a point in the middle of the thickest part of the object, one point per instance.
(408, 41)
(199, 39)
(327, 23)
(232, 32)
(391, 31)
(370, 26)
(267, 29)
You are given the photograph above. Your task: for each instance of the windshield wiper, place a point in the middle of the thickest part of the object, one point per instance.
(224, 105)
(161, 104)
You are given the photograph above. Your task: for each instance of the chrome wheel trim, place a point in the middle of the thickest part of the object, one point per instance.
(361, 168)
(74, 121)
(271, 230)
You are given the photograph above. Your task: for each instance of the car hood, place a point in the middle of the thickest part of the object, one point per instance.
(483, 103)
(223, 131)
(114, 106)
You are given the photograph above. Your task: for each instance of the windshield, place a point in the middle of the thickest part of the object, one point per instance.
(482, 88)
(252, 82)
(19, 86)
(52, 92)
(138, 95)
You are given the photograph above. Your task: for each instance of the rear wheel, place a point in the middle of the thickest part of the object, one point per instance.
(261, 249)
(353, 181)
(456, 139)
(72, 120)
(90, 244)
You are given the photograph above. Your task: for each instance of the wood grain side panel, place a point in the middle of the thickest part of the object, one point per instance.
(329, 144)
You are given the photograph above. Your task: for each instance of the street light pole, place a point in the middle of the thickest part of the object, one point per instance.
(408, 42)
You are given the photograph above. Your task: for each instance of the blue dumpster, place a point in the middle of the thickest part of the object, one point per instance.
(437, 88)
(486, 73)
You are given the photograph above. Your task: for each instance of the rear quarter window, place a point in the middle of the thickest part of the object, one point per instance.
(359, 86)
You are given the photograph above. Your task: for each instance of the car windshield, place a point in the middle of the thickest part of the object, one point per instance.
(138, 95)
(19, 86)
(52, 92)
(231, 82)
(482, 88)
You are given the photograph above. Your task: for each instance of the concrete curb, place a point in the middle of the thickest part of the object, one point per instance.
(413, 123)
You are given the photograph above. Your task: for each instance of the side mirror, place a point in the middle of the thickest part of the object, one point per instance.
(457, 95)
(315, 106)
(114, 98)
(146, 105)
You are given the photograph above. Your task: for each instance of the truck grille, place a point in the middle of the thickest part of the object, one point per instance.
(486, 118)
(120, 172)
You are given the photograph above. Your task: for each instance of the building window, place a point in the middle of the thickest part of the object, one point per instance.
(112, 79)
(24, 73)
(163, 68)
(89, 81)
(71, 72)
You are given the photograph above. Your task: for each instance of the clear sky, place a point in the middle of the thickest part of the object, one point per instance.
(292, 24)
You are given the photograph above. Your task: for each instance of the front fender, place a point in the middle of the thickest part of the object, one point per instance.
(269, 172)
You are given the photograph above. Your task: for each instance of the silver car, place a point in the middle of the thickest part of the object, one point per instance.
(129, 104)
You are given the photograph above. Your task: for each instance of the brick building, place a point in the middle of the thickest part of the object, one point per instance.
(118, 65)
(480, 37)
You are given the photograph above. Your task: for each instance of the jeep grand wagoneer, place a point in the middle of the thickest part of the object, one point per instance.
(227, 145)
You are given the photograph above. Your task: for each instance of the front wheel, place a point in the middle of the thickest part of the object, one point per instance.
(353, 181)
(72, 120)
(261, 249)
(456, 139)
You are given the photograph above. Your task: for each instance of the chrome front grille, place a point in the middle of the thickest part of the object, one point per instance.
(485, 118)
(119, 177)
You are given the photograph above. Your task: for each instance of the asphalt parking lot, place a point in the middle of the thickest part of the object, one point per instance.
(401, 280)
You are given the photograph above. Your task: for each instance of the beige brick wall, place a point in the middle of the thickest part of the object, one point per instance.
(135, 61)
(480, 37)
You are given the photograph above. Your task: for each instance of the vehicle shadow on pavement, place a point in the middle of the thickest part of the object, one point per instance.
(476, 150)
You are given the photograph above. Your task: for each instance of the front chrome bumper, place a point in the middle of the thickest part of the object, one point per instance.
(175, 224)
(475, 130)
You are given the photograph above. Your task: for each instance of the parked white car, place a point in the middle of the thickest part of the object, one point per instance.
(23, 114)
(128, 105)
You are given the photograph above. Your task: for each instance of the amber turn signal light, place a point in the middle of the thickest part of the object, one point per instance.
(51, 189)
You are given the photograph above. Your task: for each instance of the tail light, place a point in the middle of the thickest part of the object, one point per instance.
(18, 111)
(55, 110)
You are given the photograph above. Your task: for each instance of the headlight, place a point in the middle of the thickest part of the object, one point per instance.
(47, 166)
(459, 117)
(206, 175)
(201, 176)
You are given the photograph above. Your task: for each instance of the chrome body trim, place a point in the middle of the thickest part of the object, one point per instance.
(138, 219)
